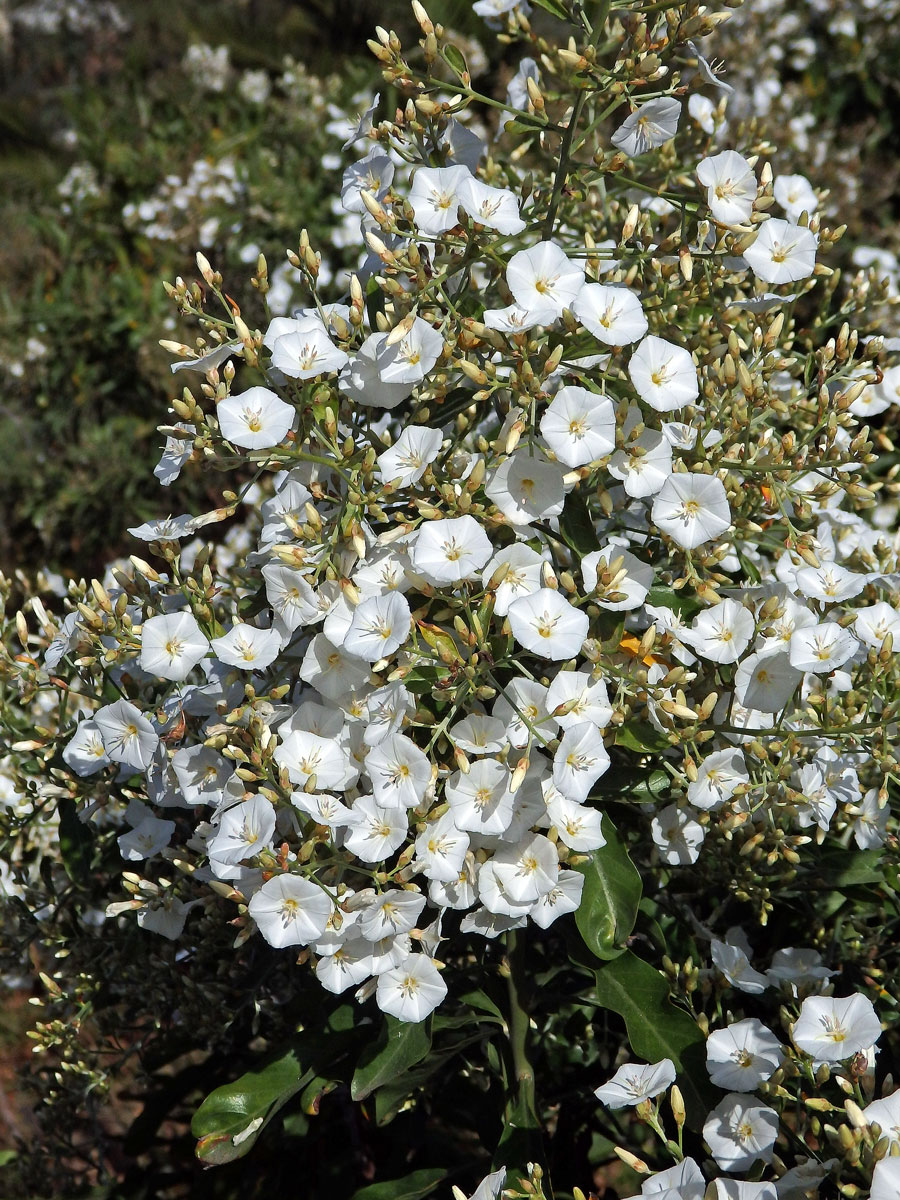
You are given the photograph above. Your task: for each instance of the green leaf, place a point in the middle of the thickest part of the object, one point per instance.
(231, 1118)
(8, 1156)
(576, 526)
(656, 1029)
(455, 60)
(684, 602)
(641, 737)
(412, 1187)
(400, 1045)
(520, 1142)
(554, 7)
(75, 841)
(612, 893)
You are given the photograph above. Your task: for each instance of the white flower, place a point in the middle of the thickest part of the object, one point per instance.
(84, 752)
(833, 1028)
(766, 680)
(644, 465)
(739, 1189)
(166, 529)
(526, 871)
(172, 645)
(380, 626)
(579, 761)
(375, 831)
(663, 374)
(795, 195)
(730, 185)
(331, 671)
(243, 831)
(564, 897)
(870, 821)
(491, 1186)
(633, 578)
(372, 173)
(202, 773)
(722, 633)
(579, 426)
(829, 582)
(362, 382)
(441, 849)
(516, 319)
(885, 1113)
(527, 487)
(146, 839)
(399, 771)
(703, 111)
(128, 737)
(650, 125)
(307, 354)
(886, 1180)
(740, 1132)
(873, 623)
(548, 625)
(177, 452)
(684, 1181)
(692, 509)
(740, 1057)
(290, 911)
(614, 315)
(782, 252)
(479, 734)
(878, 397)
(480, 801)
(821, 648)
(407, 460)
(412, 990)
(578, 826)
(543, 277)
(496, 208)
(522, 576)
(392, 912)
(292, 599)
(676, 835)
(256, 419)
(517, 88)
(635, 1082)
(246, 647)
(434, 197)
(348, 966)
(411, 358)
(307, 756)
(734, 963)
(718, 776)
(584, 698)
(451, 550)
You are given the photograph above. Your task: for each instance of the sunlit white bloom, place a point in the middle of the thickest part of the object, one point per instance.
(348, 966)
(795, 195)
(718, 777)
(740, 1189)
(740, 1132)
(517, 88)
(528, 870)
(829, 582)
(782, 252)
(885, 1113)
(516, 319)
(411, 358)
(331, 671)
(290, 911)
(451, 550)
(307, 354)
(480, 800)
(632, 587)
(372, 173)
(730, 185)
(412, 990)
(822, 648)
(246, 647)
(579, 426)
(543, 276)
(527, 487)
(650, 125)
(583, 697)
(256, 419)
(202, 773)
(676, 835)
(165, 915)
(721, 633)
(441, 849)
(323, 808)
(408, 459)
(84, 752)
(361, 378)
(391, 912)
(380, 626)
(564, 897)
(434, 197)
(399, 771)
(375, 832)
(244, 830)
(548, 625)
(684, 1181)
(479, 734)
(307, 758)
(522, 705)
(386, 709)
(878, 397)
(293, 600)
(522, 577)
(644, 465)
(741, 1056)
(495, 208)
(167, 528)
(578, 826)
(579, 761)
(702, 109)
(873, 623)
(833, 1028)
(766, 680)
(128, 737)
(175, 455)
(147, 838)
(870, 821)
(634, 1082)
(663, 374)
(614, 315)
(734, 963)
(692, 509)
(886, 1180)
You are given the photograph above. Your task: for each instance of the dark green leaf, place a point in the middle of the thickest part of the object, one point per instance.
(520, 1142)
(555, 7)
(75, 841)
(609, 902)
(400, 1045)
(683, 602)
(412, 1187)
(576, 526)
(642, 737)
(848, 869)
(247, 1104)
(455, 60)
(656, 1029)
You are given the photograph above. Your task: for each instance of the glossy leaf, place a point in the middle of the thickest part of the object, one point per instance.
(412, 1187)
(612, 893)
(400, 1045)
(642, 737)
(656, 1028)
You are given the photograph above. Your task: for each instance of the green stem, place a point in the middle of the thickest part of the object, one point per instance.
(518, 1020)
